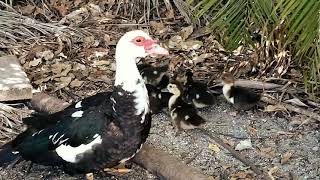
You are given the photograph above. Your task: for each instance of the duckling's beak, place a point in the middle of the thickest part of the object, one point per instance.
(153, 48)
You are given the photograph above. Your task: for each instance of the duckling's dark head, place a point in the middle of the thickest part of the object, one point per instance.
(227, 78)
(175, 88)
(189, 73)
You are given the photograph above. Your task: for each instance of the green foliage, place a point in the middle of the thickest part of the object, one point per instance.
(293, 24)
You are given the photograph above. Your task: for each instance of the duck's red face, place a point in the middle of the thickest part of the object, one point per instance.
(150, 46)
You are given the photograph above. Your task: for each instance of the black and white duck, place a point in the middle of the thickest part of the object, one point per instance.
(183, 115)
(100, 131)
(197, 93)
(241, 98)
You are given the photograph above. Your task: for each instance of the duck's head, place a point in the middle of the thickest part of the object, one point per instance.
(227, 78)
(138, 44)
(175, 88)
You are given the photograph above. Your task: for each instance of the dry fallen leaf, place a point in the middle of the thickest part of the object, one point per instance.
(252, 131)
(35, 62)
(201, 58)
(272, 171)
(46, 55)
(64, 81)
(158, 27)
(268, 152)
(175, 42)
(76, 83)
(286, 157)
(170, 14)
(230, 142)
(186, 32)
(191, 45)
(88, 41)
(274, 108)
(245, 144)
(214, 148)
(27, 10)
(101, 63)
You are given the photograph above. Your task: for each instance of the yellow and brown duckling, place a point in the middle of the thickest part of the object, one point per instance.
(156, 76)
(183, 115)
(197, 92)
(241, 98)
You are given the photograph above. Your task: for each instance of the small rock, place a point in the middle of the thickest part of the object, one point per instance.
(245, 144)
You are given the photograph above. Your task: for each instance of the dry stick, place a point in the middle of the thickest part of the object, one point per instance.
(254, 84)
(154, 160)
(235, 154)
(292, 108)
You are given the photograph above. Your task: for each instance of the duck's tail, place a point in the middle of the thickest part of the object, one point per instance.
(8, 155)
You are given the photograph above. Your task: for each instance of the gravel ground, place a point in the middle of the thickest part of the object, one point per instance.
(279, 146)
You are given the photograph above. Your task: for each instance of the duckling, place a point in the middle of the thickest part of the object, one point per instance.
(158, 100)
(197, 92)
(156, 76)
(183, 115)
(241, 98)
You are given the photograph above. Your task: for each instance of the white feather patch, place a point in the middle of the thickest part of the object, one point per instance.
(226, 91)
(78, 105)
(141, 100)
(197, 96)
(69, 153)
(77, 114)
(15, 152)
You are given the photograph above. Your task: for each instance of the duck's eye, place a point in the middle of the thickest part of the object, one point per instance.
(139, 41)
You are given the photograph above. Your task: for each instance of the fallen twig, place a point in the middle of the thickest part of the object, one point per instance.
(254, 84)
(289, 107)
(235, 154)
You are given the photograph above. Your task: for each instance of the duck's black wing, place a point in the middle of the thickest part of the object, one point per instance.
(77, 129)
(39, 120)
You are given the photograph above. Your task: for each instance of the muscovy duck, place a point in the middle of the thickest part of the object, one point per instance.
(183, 115)
(100, 131)
(241, 98)
(197, 92)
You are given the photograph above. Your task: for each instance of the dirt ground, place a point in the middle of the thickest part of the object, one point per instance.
(280, 147)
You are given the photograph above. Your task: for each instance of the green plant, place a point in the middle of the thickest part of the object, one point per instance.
(292, 25)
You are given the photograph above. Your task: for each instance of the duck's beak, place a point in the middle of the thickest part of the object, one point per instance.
(153, 48)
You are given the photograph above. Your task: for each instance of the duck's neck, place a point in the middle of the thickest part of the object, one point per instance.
(127, 73)
(130, 96)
